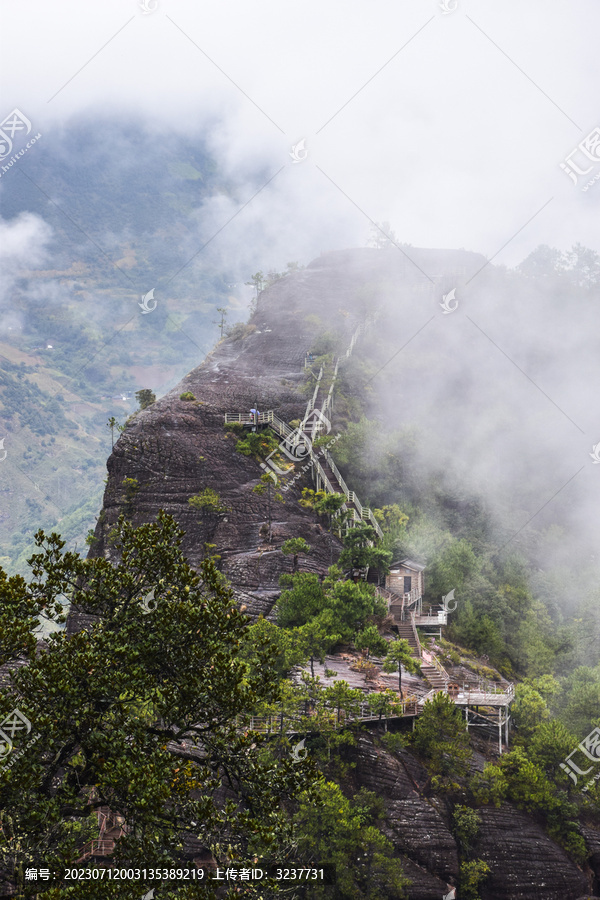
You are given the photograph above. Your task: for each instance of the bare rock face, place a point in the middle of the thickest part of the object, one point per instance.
(591, 837)
(525, 864)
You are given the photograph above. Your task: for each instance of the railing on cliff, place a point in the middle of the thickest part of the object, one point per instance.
(416, 634)
(306, 435)
(400, 604)
(297, 722)
(363, 511)
(430, 659)
(469, 694)
(439, 617)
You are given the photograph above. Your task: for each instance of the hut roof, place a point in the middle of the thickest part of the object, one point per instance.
(409, 564)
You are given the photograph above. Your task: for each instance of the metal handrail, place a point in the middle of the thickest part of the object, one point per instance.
(102, 847)
(248, 418)
(437, 664)
(416, 634)
(273, 723)
(489, 687)
(359, 513)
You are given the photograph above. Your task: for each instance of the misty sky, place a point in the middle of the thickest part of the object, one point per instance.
(451, 126)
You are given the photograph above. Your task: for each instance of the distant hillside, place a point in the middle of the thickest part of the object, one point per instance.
(74, 344)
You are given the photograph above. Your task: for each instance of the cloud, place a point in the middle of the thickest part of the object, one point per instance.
(23, 245)
(450, 127)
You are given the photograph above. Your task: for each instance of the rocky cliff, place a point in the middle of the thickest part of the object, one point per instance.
(176, 448)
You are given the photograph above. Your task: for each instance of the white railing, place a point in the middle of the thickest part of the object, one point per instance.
(282, 427)
(416, 635)
(363, 512)
(359, 513)
(248, 418)
(311, 403)
(345, 490)
(439, 617)
(368, 514)
(489, 688)
(470, 695)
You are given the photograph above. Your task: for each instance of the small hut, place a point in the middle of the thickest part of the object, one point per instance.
(406, 577)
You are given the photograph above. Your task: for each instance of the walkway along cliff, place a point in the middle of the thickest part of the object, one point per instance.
(178, 447)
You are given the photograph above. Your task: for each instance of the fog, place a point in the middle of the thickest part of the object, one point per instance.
(450, 124)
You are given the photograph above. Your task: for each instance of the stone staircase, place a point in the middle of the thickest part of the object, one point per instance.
(407, 632)
(431, 669)
(434, 677)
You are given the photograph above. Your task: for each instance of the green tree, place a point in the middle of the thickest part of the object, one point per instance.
(145, 397)
(399, 654)
(132, 488)
(267, 486)
(529, 710)
(384, 703)
(529, 788)
(340, 696)
(370, 640)
(360, 551)
(394, 524)
(111, 705)
(257, 281)
(441, 737)
(208, 500)
(293, 547)
(221, 322)
(489, 786)
(543, 262)
(578, 705)
(112, 424)
(472, 874)
(287, 644)
(465, 828)
(302, 601)
(382, 236)
(339, 832)
(318, 637)
(322, 503)
(478, 630)
(549, 744)
(257, 444)
(452, 568)
(351, 603)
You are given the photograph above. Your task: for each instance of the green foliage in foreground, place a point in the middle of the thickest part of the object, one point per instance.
(344, 832)
(441, 738)
(110, 705)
